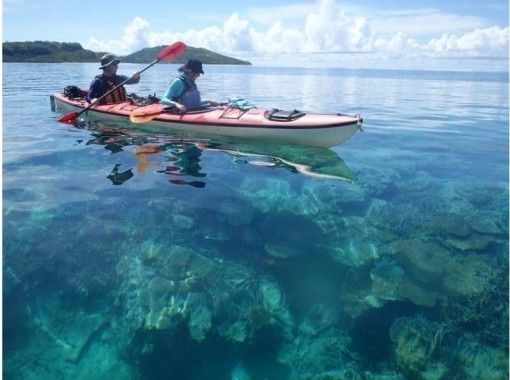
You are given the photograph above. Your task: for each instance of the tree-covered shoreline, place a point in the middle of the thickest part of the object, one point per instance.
(54, 52)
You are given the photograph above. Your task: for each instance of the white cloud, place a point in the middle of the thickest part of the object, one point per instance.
(237, 34)
(327, 27)
(480, 42)
(277, 39)
(398, 46)
(134, 38)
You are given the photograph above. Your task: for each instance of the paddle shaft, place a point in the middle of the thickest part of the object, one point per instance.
(116, 87)
(171, 51)
(152, 111)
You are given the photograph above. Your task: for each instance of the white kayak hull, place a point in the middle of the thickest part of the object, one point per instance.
(315, 129)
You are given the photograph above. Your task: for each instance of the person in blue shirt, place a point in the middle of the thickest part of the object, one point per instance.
(183, 92)
(108, 80)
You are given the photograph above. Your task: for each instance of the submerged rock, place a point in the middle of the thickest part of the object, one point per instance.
(235, 213)
(200, 317)
(355, 253)
(475, 242)
(377, 182)
(416, 342)
(390, 282)
(450, 224)
(174, 262)
(397, 221)
(151, 251)
(273, 195)
(385, 276)
(281, 251)
(419, 295)
(481, 362)
(468, 276)
(239, 373)
(421, 182)
(267, 194)
(180, 287)
(315, 357)
(424, 261)
(257, 310)
(486, 222)
(319, 320)
(355, 226)
(161, 306)
(271, 295)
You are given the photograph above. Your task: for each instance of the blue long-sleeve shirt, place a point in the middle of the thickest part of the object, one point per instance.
(99, 87)
(173, 92)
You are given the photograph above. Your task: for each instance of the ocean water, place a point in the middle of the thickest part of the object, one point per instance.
(134, 255)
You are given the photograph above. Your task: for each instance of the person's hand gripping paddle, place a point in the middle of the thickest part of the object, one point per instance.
(171, 51)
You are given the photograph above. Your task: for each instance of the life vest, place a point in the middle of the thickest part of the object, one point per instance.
(119, 95)
(190, 97)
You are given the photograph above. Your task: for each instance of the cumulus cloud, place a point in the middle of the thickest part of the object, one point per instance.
(325, 27)
(491, 41)
(237, 34)
(134, 38)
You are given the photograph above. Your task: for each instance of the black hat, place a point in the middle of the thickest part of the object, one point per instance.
(194, 65)
(108, 59)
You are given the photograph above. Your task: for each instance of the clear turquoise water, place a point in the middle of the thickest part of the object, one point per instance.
(385, 257)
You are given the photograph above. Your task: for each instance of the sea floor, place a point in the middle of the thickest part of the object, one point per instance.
(388, 273)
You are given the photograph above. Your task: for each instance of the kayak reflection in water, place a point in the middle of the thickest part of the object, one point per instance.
(118, 178)
(306, 160)
(180, 159)
(309, 161)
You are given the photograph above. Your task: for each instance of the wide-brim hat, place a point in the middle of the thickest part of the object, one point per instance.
(194, 65)
(108, 59)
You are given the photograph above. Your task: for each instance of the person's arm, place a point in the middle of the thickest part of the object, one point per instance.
(133, 80)
(95, 90)
(173, 92)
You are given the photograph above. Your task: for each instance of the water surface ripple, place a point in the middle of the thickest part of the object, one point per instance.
(134, 255)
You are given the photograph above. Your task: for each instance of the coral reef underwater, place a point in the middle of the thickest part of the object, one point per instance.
(394, 276)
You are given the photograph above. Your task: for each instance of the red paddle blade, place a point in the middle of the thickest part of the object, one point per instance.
(68, 118)
(172, 51)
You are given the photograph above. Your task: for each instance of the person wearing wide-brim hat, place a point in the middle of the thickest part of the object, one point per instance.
(108, 80)
(183, 92)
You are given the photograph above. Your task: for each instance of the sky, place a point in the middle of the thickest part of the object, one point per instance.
(409, 34)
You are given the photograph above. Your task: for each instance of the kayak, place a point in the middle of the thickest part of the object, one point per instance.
(321, 130)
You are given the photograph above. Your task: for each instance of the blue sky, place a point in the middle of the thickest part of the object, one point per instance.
(335, 33)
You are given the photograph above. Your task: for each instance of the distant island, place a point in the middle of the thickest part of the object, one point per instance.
(49, 52)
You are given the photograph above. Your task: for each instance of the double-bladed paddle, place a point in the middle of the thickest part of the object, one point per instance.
(171, 51)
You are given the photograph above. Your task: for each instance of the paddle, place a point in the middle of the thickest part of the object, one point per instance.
(171, 51)
(152, 111)
(147, 113)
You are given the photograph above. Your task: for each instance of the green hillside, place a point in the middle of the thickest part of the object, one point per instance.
(45, 51)
(147, 55)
